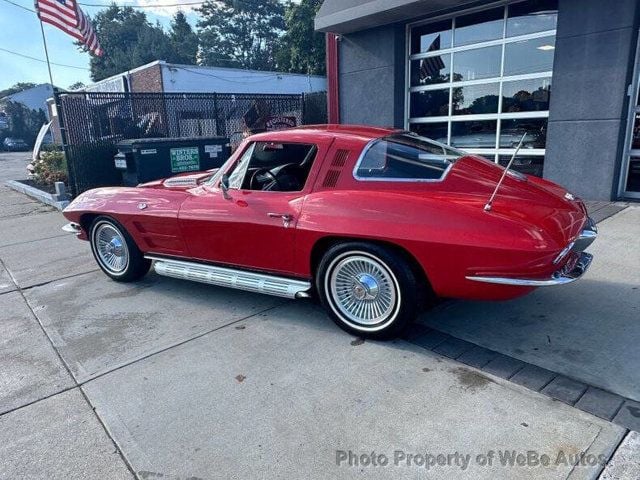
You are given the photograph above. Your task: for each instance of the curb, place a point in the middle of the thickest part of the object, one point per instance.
(37, 194)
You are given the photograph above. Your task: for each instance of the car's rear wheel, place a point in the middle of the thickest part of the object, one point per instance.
(115, 251)
(368, 290)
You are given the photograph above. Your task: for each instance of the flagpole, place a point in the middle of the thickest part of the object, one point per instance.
(46, 53)
(58, 110)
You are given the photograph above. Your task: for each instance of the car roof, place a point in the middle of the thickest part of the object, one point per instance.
(311, 132)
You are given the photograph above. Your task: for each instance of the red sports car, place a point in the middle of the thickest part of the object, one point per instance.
(373, 221)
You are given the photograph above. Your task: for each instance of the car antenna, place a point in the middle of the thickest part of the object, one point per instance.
(487, 207)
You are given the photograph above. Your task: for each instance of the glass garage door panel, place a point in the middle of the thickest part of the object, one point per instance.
(477, 64)
(430, 70)
(529, 56)
(479, 27)
(476, 99)
(529, 164)
(534, 131)
(435, 131)
(482, 80)
(431, 37)
(532, 16)
(526, 95)
(474, 134)
(432, 103)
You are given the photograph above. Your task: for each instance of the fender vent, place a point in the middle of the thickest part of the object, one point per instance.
(340, 158)
(333, 175)
(331, 179)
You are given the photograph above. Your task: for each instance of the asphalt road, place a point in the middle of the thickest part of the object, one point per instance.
(170, 379)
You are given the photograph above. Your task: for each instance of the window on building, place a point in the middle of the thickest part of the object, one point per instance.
(482, 81)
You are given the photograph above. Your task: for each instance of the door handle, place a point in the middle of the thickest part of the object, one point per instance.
(286, 218)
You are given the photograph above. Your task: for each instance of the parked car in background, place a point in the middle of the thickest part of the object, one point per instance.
(12, 144)
(374, 222)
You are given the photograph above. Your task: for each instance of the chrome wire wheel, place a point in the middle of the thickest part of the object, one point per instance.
(363, 291)
(111, 248)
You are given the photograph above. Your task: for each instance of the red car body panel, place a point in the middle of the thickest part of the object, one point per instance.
(441, 224)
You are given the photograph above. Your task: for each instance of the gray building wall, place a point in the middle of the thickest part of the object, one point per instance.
(595, 49)
(371, 76)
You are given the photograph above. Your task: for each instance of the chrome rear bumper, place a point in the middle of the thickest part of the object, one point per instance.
(72, 228)
(561, 277)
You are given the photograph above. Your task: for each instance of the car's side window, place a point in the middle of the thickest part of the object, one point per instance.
(405, 157)
(273, 166)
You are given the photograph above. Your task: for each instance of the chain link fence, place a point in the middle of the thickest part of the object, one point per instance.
(95, 122)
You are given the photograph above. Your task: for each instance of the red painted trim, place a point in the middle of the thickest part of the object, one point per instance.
(333, 95)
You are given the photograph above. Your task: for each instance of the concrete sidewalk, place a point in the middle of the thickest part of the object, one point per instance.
(167, 379)
(588, 330)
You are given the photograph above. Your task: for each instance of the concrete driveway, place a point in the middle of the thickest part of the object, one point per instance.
(167, 379)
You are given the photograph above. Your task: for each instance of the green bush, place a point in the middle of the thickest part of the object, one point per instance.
(51, 168)
(51, 147)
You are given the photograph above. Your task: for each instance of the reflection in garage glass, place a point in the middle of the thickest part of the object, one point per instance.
(474, 99)
(432, 103)
(526, 95)
(435, 131)
(531, 165)
(532, 16)
(476, 64)
(433, 36)
(529, 56)
(479, 27)
(430, 70)
(512, 131)
(474, 134)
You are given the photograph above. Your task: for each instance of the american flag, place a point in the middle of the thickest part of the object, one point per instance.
(430, 67)
(68, 17)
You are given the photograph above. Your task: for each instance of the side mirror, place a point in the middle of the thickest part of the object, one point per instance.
(224, 186)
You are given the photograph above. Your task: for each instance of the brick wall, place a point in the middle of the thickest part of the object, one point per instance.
(147, 80)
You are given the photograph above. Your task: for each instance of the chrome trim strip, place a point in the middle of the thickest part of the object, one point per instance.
(229, 277)
(565, 251)
(72, 228)
(588, 234)
(559, 278)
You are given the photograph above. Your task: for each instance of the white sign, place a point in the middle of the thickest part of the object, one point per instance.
(148, 151)
(121, 163)
(213, 150)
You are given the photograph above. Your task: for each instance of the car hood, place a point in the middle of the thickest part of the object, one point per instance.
(530, 200)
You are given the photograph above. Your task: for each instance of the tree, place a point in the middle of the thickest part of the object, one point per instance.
(184, 41)
(18, 87)
(128, 41)
(240, 33)
(23, 122)
(302, 49)
(77, 86)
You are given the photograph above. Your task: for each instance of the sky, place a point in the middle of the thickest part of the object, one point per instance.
(20, 32)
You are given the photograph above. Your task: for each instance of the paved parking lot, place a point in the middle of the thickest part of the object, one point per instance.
(168, 379)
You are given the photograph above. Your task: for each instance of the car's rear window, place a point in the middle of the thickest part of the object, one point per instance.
(406, 157)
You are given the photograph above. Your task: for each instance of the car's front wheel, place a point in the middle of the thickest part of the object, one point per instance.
(115, 251)
(368, 290)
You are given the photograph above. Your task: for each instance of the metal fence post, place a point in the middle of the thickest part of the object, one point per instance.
(71, 177)
(217, 114)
